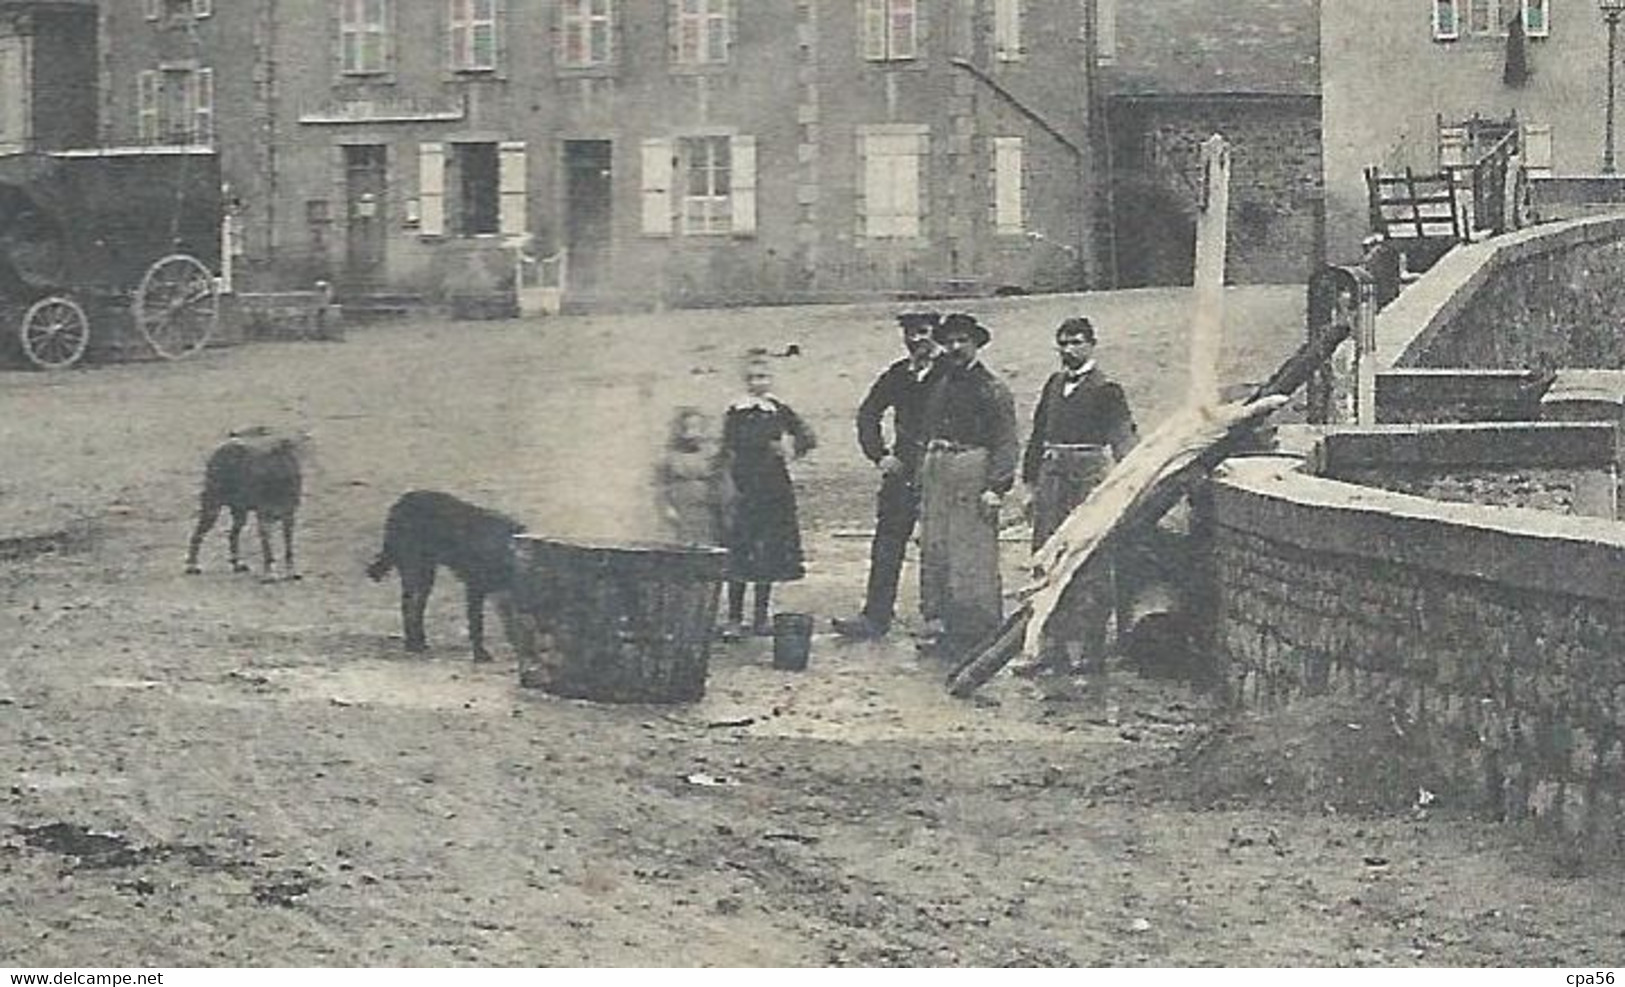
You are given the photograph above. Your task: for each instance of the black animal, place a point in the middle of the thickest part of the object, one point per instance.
(255, 471)
(427, 529)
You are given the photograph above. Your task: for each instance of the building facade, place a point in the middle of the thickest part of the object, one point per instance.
(1176, 72)
(674, 151)
(1456, 81)
(47, 74)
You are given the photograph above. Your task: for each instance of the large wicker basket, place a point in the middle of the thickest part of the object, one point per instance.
(620, 622)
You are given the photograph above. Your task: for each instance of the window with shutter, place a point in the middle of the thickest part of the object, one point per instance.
(890, 30)
(202, 8)
(1535, 21)
(363, 36)
(473, 30)
(585, 37)
(1009, 213)
(1446, 20)
(656, 186)
(707, 170)
(154, 9)
(432, 189)
(703, 31)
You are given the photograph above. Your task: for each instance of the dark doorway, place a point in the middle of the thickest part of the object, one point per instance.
(476, 176)
(366, 177)
(588, 205)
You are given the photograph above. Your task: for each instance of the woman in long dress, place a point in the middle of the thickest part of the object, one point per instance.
(760, 435)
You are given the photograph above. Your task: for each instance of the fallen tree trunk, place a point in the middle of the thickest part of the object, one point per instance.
(1153, 477)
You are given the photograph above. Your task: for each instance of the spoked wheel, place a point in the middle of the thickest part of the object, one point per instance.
(177, 307)
(54, 332)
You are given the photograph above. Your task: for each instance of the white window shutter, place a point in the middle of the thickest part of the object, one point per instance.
(1106, 31)
(432, 189)
(906, 193)
(203, 106)
(878, 208)
(1537, 149)
(874, 29)
(147, 106)
(656, 186)
(905, 43)
(1008, 214)
(512, 187)
(1007, 29)
(744, 185)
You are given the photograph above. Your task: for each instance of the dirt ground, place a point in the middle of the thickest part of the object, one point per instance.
(211, 771)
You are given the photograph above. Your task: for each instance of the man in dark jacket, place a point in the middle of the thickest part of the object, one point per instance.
(1082, 426)
(969, 430)
(901, 388)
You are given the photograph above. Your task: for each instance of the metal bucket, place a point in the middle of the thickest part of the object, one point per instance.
(792, 641)
(619, 622)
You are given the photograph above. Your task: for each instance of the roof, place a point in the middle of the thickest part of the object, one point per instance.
(1203, 47)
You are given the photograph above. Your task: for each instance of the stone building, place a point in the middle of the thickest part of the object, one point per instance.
(47, 74)
(1173, 73)
(675, 151)
(1427, 85)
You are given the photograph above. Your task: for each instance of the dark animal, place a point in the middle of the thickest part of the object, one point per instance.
(256, 471)
(427, 529)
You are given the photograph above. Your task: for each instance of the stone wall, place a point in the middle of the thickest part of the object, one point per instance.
(1275, 185)
(1495, 637)
(1546, 297)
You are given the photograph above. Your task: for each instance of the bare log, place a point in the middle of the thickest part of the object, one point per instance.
(1153, 477)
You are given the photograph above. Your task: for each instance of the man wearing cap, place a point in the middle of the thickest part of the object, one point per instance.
(1081, 427)
(901, 387)
(969, 431)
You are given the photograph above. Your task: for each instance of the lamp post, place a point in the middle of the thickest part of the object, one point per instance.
(1611, 12)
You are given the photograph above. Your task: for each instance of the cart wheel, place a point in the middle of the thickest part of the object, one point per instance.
(54, 332)
(177, 307)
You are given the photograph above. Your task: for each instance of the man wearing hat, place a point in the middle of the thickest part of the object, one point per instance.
(901, 388)
(1081, 427)
(969, 432)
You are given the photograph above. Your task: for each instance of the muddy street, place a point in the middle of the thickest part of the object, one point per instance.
(212, 771)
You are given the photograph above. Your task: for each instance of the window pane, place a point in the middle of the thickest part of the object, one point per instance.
(717, 41)
(485, 46)
(484, 9)
(1535, 16)
(600, 41)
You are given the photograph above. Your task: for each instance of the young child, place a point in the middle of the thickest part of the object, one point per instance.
(691, 484)
(760, 434)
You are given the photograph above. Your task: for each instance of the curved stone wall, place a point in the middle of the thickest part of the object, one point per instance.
(1495, 635)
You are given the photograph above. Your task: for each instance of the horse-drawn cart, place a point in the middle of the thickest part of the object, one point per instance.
(119, 245)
